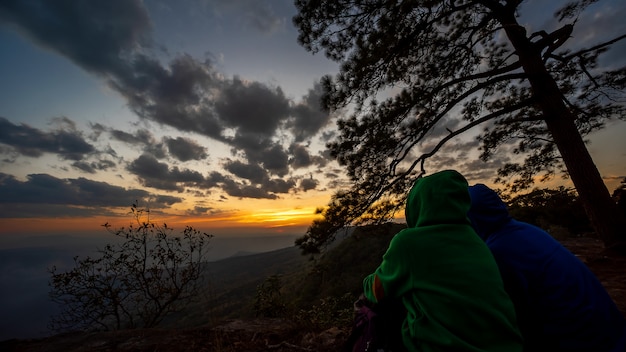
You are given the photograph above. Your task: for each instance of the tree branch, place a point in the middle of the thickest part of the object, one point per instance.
(451, 135)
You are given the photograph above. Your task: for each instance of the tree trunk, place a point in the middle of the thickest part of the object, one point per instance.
(603, 213)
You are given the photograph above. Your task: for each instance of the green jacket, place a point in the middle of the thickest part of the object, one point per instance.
(445, 275)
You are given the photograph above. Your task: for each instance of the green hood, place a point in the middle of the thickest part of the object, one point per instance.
(441, 198)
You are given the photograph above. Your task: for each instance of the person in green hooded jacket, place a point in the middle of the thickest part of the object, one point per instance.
(445, 275)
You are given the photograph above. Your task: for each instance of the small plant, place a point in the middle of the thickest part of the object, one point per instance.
(134, 283)
(329, 312)
(268, 302)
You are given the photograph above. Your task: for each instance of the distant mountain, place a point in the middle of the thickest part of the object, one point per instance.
(242, 254)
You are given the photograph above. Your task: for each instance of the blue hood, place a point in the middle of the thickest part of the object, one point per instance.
(488, 212)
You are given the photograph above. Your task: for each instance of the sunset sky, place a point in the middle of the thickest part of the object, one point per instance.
(205, 111)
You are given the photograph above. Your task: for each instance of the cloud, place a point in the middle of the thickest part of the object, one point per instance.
(263, 151)
(237, 189)
(95, 35)
(308, 184)
(94, 166)
(252, 172)
(252, 107)
(29, 141)
(262, 186)
(142, 138)
(301, 157)
(308, 116)
(198, 211)
(56, 193)
(185, 149)
(152, 173)
(278, 185)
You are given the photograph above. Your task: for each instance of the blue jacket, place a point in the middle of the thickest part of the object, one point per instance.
(560, 304)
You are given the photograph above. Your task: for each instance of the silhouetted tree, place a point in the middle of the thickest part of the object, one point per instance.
(619, 195)
(456, 65)
(551, 207)
(134, 283)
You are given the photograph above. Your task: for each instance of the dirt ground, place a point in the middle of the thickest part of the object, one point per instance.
(275, 334)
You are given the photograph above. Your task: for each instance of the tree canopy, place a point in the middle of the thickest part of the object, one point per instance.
(416, 74)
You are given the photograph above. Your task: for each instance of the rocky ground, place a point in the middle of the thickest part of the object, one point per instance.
(237, 335)
(277, 335)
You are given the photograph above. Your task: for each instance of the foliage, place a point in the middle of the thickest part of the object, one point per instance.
(268, 301)
(324, 294)
(133, 283)
(330, 312)
(443, 68)
(341, 269)
(551, 208)
(619, 194)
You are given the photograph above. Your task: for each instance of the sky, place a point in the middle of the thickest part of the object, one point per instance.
(205, 111)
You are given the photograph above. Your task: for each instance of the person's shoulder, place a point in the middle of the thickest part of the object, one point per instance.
(405, 234)
(535, 232)
(408, 236)
(518, 235)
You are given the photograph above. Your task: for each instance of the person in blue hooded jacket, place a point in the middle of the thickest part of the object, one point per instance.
(560, 304)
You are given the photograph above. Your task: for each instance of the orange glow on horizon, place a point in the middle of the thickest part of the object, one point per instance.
(267, 219)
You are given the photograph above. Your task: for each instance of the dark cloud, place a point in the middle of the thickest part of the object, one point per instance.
(185, 149)
(308, 184)
(142, 138)
(252, 107)
(308, 116)
(152, 173)
(252, 172)
(278, 185)
(234, 189)
(29, 141)
(199, 211)
(275, 159)
(46, 189)
(9, 154)
(94, 34)
(94, 166)
(96, 130)
(263, 151)
(237, 189)
(301, 157)
(180, 96)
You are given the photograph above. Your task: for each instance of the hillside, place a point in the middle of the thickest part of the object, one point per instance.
(233, 286)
